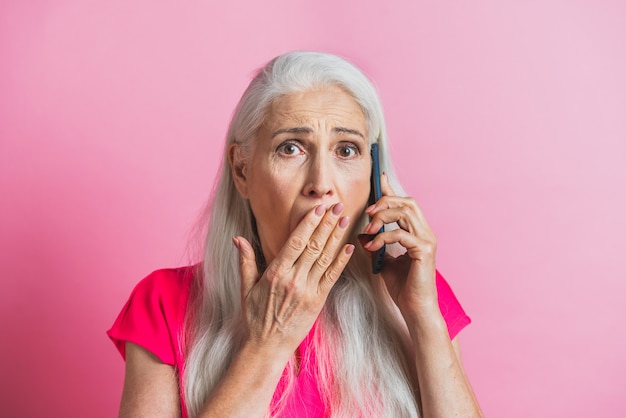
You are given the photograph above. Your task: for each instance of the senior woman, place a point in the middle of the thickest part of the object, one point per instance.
(283, 316)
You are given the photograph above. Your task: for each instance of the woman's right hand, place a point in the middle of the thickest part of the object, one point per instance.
(280, 307)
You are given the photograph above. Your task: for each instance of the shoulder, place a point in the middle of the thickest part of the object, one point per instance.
(154, 313)
(166, 284)
(164, 292)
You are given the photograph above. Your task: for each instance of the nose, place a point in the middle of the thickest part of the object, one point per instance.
(319, 178)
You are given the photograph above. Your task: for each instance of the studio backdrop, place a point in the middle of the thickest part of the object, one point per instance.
(507, 121)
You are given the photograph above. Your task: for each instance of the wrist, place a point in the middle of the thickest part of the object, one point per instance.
(265, 358)
(426, 324)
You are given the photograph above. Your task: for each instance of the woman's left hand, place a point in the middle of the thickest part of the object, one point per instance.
(410, 277)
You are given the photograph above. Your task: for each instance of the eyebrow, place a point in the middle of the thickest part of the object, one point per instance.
(307, 130)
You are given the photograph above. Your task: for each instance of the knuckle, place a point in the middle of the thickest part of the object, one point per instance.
(314, 245)
(337, 234)
(292, 288)
(272, 274)
(328, 222)
(324, 260)
(296, 243)
(329, 276)
(406, 211)
(429, 248)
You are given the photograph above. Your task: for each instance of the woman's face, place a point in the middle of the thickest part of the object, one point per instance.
(311, 150)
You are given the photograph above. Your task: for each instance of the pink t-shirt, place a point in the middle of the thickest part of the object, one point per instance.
(155, 311)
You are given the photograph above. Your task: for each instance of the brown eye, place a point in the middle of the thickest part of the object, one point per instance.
(288, 148)
(347, 151)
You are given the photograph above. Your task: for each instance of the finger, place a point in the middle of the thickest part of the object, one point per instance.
(405, 219)
(385, 186)
(391, 202)
(318, 241)
(329, 253)
(332, 274)
(298, 239)
(418, 248)
(388, 202)
(247, 264)
(386, 190)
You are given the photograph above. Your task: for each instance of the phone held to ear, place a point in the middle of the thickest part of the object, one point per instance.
(375, 194)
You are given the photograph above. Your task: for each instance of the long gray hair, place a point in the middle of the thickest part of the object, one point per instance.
(360, 341)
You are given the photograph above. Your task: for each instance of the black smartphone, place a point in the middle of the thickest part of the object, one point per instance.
(375, 194)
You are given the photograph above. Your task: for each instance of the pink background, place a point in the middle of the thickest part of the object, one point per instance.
(507, 121)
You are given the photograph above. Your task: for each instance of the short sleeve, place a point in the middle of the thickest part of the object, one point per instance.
(452, 311)
(154, 314)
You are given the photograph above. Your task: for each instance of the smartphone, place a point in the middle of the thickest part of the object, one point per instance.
(375, 194)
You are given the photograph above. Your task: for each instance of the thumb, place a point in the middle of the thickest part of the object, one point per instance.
(247, 264)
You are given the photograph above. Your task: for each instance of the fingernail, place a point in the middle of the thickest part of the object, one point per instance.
(236, 242)
(338, 208)
(367, 228)
(368, 245)
(319, 211)
(343, 222)
(349, 249)
(370, 207)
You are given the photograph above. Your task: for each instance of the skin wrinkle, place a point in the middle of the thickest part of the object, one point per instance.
(294, 183)
(284, 187)
(290, 186)
(306, 130)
